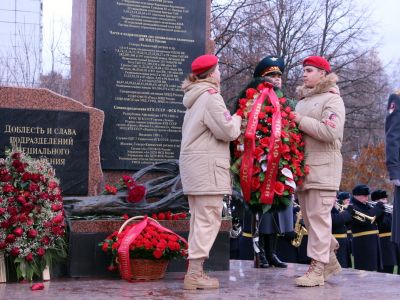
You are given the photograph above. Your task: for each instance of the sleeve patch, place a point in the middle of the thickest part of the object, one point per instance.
(212, 91)
(227, 116)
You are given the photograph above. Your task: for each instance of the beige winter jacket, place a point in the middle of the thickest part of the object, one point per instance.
(321, 118)
(207, 130)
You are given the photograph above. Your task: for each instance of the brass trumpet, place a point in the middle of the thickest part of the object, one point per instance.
(357, 215)
(388, 207)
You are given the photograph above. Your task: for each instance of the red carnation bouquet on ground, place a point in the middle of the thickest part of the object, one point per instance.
(135, 192)
(268, 156)
(31, 214)
(150, 242)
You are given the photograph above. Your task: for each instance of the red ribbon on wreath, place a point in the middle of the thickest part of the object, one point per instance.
(246, 168)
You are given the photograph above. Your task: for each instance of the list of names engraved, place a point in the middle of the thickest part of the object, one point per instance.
(143, 52)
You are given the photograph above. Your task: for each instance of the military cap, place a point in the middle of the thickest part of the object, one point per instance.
(361, 190)
(343, 195)
(318, 62)
(378, 194)
(204, 63)
(268, 65)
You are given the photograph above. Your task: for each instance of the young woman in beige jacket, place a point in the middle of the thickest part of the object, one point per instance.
(204, 162)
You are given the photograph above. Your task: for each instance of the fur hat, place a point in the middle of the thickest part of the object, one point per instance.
(318, 62)
(343, 196)
(204, 63)
(361, 190)
(378, 194)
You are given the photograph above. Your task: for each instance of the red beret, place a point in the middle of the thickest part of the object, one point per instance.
(204, 63)
(318, 62)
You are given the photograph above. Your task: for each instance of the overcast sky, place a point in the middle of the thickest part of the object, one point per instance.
(385, 16)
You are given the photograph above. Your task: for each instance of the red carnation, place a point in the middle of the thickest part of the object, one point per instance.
(26, 176)
(16, 155)
(58, 219)
(110, 189)
(18, 231)
(15, 251)
(10, 238)
(29, 257)
(2, 211)
(56, 207)
(136, 193)
(250, 93)
(52, 184)
(3, 245)
(161, 216)
(279, 188)
(41, 251)
(8, 188)
(45, 240)
(104, 247)
(32, 233)
(157, 253)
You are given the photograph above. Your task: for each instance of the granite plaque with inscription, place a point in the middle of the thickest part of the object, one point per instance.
(143, 52)
(60, 136)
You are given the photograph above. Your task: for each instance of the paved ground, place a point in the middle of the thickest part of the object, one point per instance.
(241, 282)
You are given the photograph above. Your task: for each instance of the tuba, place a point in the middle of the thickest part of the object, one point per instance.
(300, 231)
(357, 215)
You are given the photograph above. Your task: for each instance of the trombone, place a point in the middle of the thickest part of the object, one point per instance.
(388, 207)
(357, 215)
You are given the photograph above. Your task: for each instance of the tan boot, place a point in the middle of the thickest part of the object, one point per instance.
(333, 267)
(195, 277)
(314, 276)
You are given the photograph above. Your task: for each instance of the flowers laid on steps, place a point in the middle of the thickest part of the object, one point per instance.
(268, 156)
(31, 214)
(135, 191)
(144, 240)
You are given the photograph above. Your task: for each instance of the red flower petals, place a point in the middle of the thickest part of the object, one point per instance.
(37, 287)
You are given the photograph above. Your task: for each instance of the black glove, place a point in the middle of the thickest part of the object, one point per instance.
(380, 206)
(290, 235)
(350, 209)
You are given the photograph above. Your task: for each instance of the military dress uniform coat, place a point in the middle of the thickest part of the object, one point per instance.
(389, 255)
(392, 141)
(340, 221)
(366, 246)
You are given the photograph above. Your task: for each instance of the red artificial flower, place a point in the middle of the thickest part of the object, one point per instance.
(52, 185)
(56, 207)
(161, 216)
(279, 188)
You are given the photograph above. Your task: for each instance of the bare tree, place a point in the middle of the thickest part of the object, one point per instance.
(295, 29)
